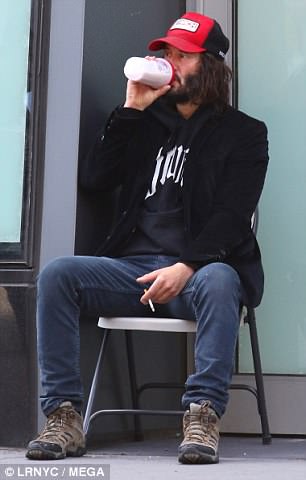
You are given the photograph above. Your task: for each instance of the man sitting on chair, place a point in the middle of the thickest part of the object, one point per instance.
(191, 170)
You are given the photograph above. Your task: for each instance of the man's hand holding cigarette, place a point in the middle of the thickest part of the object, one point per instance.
(166, 283)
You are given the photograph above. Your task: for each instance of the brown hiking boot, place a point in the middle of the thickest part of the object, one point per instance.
(62, 436)
(201, 435)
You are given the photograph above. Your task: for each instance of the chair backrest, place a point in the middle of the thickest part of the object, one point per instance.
(254, 221)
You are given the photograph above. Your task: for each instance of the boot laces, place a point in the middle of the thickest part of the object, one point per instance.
(202, 428)
(56, 423)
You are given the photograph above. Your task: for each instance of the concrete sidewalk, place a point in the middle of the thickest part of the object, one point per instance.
(240, 458)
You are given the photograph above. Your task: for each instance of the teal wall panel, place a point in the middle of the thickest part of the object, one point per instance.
(14, 47)
(272, 80)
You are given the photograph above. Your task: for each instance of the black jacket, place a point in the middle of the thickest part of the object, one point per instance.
(223, 180)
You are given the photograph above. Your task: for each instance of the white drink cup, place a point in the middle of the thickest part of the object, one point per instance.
(153, 72)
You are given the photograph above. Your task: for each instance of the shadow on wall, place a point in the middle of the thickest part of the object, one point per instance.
(17, 366)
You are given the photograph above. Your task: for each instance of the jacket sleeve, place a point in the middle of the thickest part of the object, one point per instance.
(104, 166)
(227, 228)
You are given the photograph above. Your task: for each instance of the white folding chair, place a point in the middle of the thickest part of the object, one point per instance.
(130, 324)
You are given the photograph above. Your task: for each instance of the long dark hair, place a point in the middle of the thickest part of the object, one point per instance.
(213, 82)
(210, 85)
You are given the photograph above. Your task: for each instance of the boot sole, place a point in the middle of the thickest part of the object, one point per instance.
(42, 454)
(193, 454)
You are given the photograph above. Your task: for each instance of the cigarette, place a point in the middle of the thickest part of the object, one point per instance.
(150, 302)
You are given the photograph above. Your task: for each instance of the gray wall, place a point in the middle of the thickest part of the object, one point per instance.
(62, 133)
(114, 31)
(62, 129)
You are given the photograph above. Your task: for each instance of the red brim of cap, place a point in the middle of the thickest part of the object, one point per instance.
(176, 42)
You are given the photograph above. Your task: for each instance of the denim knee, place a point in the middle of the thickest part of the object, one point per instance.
(218, 279)
(55, 272)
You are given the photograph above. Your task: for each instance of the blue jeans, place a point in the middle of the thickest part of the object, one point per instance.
(104, 286)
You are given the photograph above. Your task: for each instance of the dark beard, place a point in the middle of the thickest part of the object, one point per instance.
(185, 93)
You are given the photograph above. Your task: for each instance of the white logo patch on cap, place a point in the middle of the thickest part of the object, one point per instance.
(185, 24)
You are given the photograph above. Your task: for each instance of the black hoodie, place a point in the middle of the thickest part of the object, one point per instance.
(160, 225)
(226, 157)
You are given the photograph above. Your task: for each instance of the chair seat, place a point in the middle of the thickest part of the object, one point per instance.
(148, 324)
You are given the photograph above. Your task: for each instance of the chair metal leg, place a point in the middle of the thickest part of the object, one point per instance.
(261, 400)
(138, 433)
(93, 388)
